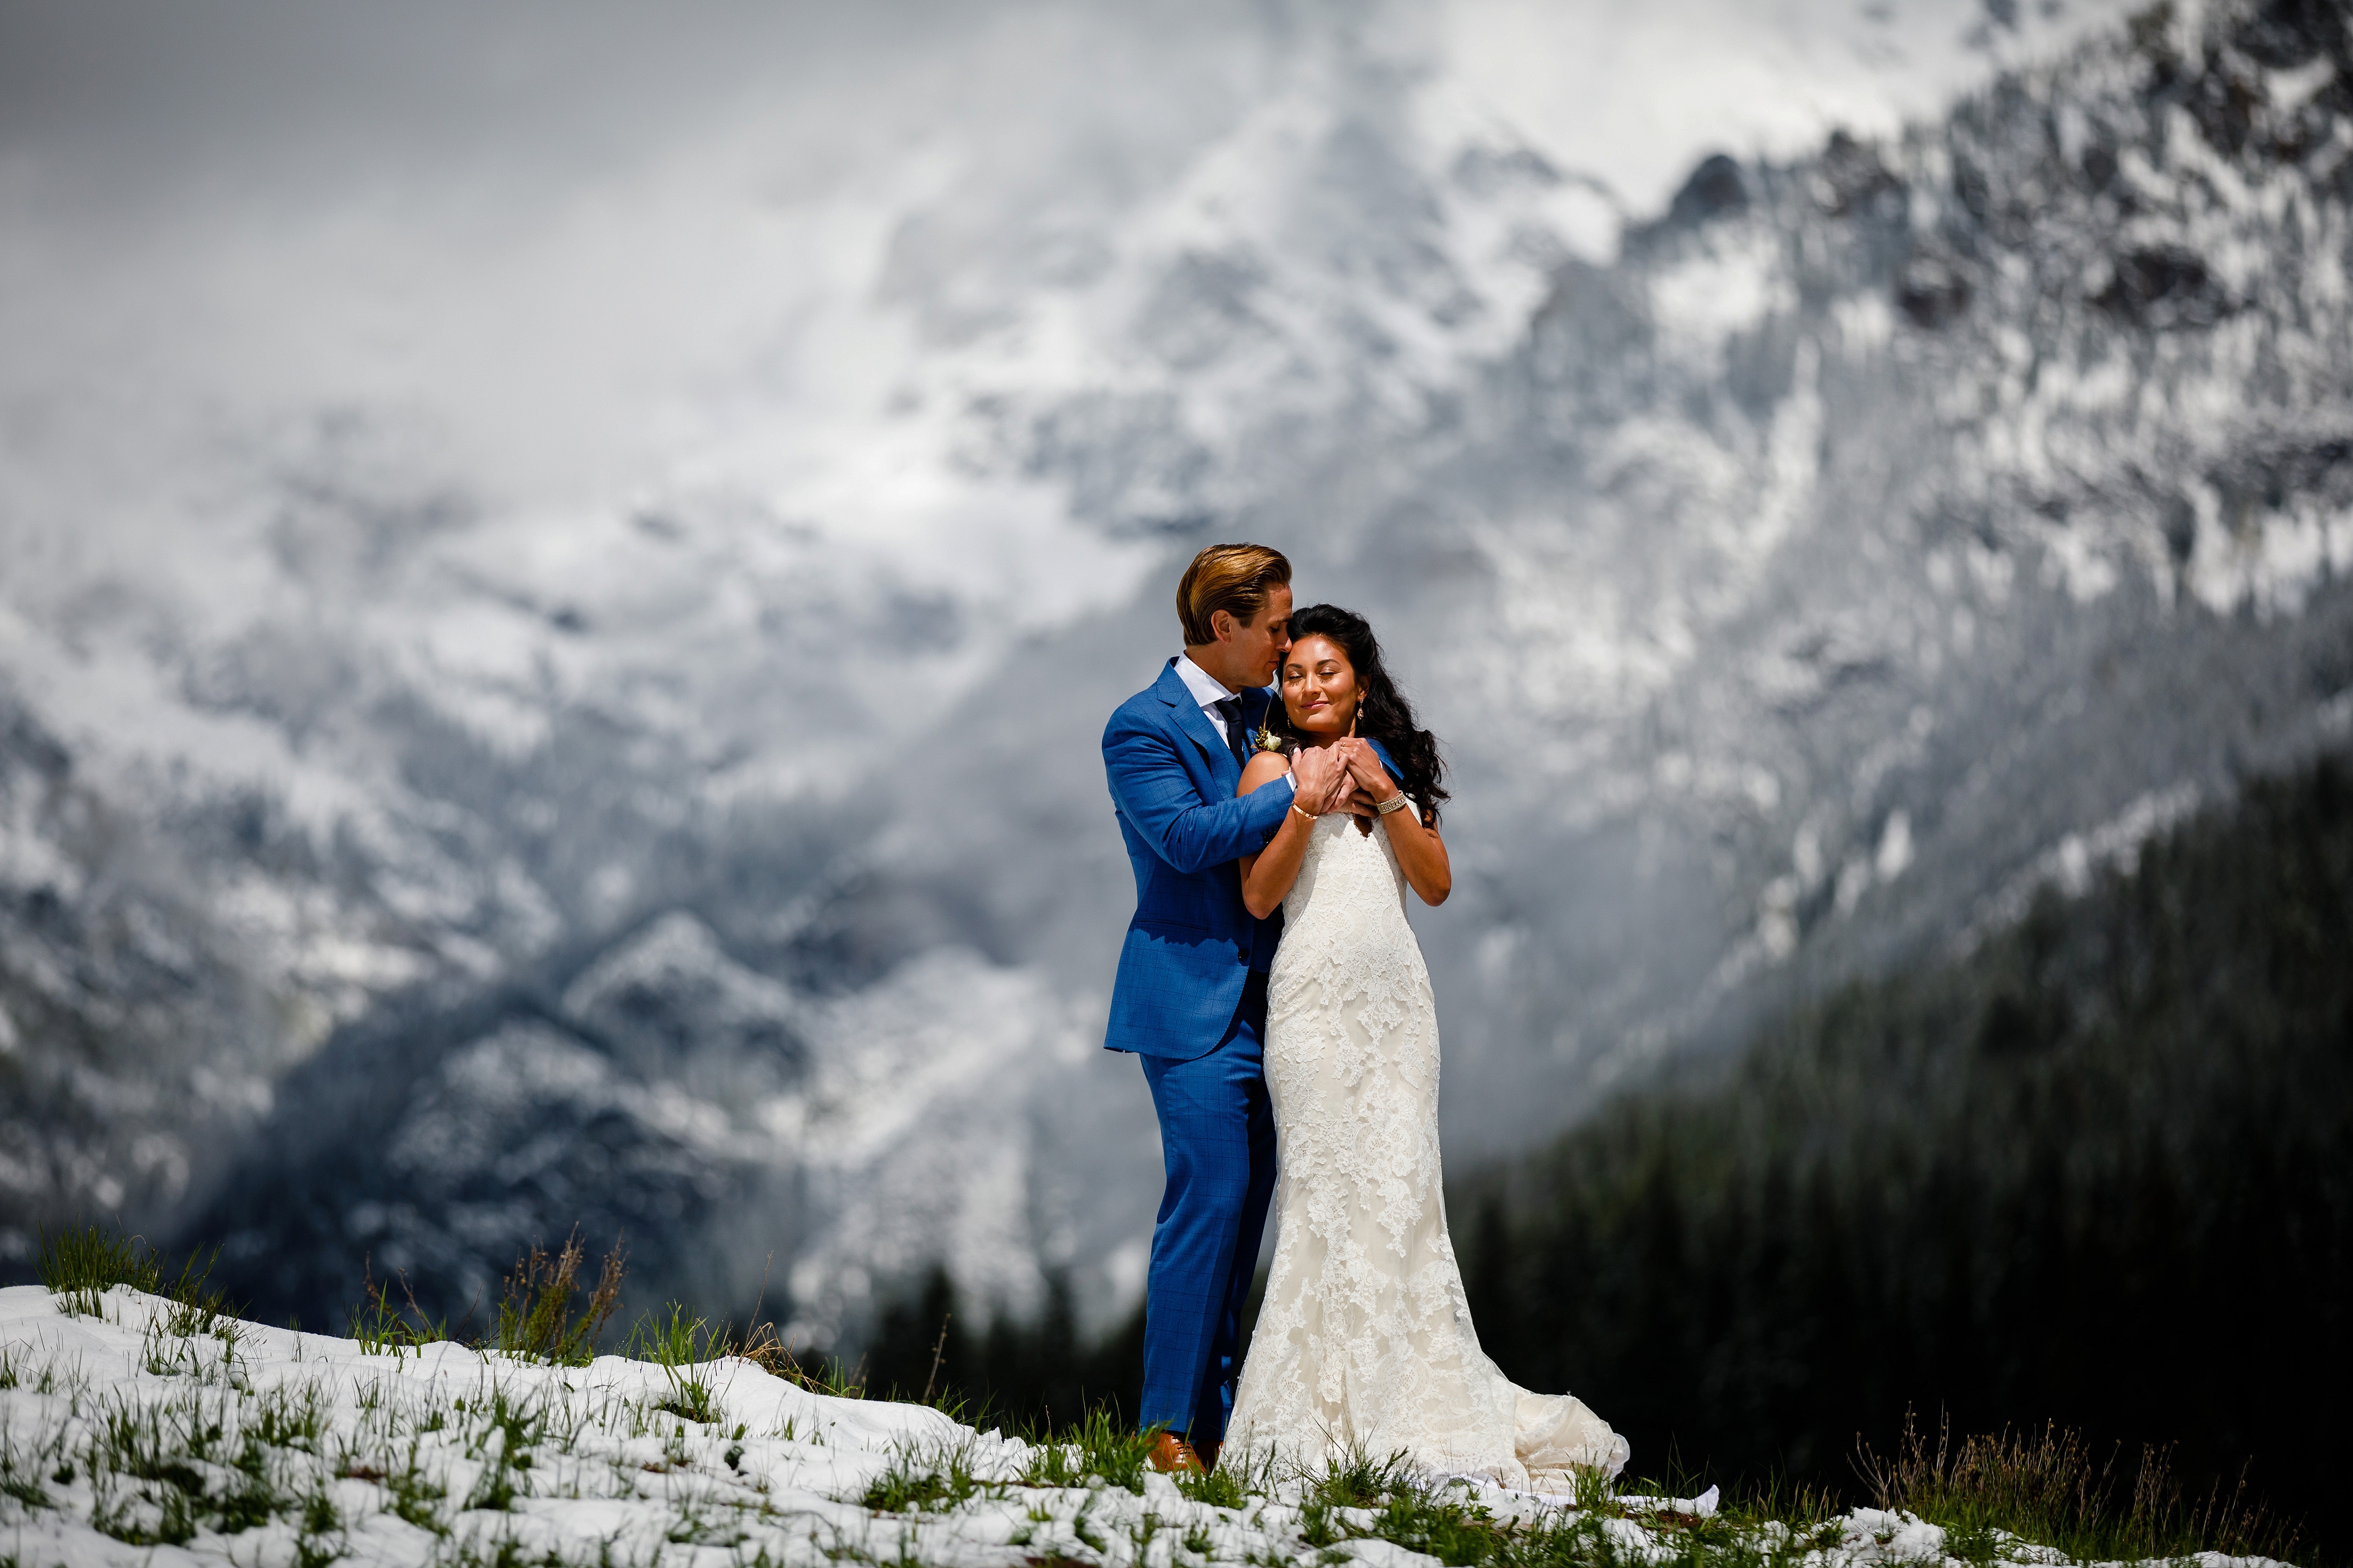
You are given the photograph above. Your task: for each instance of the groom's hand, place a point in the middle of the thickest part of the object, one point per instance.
(1320, 776)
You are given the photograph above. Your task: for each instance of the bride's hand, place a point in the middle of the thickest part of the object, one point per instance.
(1365, 772)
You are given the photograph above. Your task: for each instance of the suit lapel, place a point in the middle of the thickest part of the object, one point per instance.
(1257, 704)
(1196, 726)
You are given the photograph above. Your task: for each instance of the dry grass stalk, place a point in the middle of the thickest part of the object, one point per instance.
(2049, 1487)
(535, 1318)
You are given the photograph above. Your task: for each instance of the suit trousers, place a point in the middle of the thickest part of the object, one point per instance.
(1217, 1141)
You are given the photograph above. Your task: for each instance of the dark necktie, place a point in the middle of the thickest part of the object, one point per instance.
(1230, 708)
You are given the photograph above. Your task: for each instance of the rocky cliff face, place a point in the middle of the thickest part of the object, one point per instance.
(1795, 584)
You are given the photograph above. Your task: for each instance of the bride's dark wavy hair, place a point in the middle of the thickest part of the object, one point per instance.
(1382, 714)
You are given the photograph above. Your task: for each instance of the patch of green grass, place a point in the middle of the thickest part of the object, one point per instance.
(248, 1504)
(1805, 1511)
(1591, 1488)
(1581, 1541)
(674, 1453)
(928, 1483)
(380, 1326)
(1083, 1527)
(1360, 1480)
(502, 1432)
(320, 1519)
(1979, 1543)
(167, 1469)
(198, 1306)
(1455, 1532)
(159, 1442)
(1356, 1482)
(1359, 1496)
(81, 1263)
(697, 1524)
(416, 1496)
(170, 1346)
(1316, 1526)
(1101, 1445)
(2049, 1489)
(832, 1377)
(289, 1417)
(682, 1347)
(1224, 1487)
(20, 1477)
(835, 1378)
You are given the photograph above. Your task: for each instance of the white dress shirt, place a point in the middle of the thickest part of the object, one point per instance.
(1208, 692)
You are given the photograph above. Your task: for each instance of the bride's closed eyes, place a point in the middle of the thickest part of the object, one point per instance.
(1319, 685)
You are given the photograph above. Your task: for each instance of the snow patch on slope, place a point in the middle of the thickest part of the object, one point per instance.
(132, 1430)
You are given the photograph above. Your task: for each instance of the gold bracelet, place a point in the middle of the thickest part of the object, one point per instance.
(1304, 812)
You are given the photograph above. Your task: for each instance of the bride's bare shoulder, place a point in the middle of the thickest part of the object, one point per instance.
(1264, 767)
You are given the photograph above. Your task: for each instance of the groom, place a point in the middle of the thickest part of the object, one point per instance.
(1191, 999)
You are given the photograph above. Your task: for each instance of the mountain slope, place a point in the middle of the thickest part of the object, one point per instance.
(1870, 539)
(2100, 1172)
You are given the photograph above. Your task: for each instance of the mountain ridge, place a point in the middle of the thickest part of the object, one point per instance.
(1791, 590)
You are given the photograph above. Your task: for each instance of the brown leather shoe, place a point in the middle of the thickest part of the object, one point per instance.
(1171, 1454)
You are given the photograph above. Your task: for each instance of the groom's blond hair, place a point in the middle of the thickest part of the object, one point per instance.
(1235, 578)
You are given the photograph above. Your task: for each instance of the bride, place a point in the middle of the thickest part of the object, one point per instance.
(1365, 1343)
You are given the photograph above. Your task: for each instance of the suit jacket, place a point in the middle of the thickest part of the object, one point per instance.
(1190, 947)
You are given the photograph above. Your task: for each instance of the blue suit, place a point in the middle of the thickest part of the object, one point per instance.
(1191, 941)
(1190, 1001)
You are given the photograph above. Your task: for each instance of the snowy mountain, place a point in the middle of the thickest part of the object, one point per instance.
(1797, 576)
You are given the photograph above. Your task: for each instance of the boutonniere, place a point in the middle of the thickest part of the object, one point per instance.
(1266, 740)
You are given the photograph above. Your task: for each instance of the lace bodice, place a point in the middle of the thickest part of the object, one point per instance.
(1347, 914)
(1365, 1340)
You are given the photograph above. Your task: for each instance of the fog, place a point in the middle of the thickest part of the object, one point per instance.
(588, 248)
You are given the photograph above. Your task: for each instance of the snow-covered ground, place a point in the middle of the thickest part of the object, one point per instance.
(142, 1434)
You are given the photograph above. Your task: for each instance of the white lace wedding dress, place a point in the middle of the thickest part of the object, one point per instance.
(1365, 1343)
